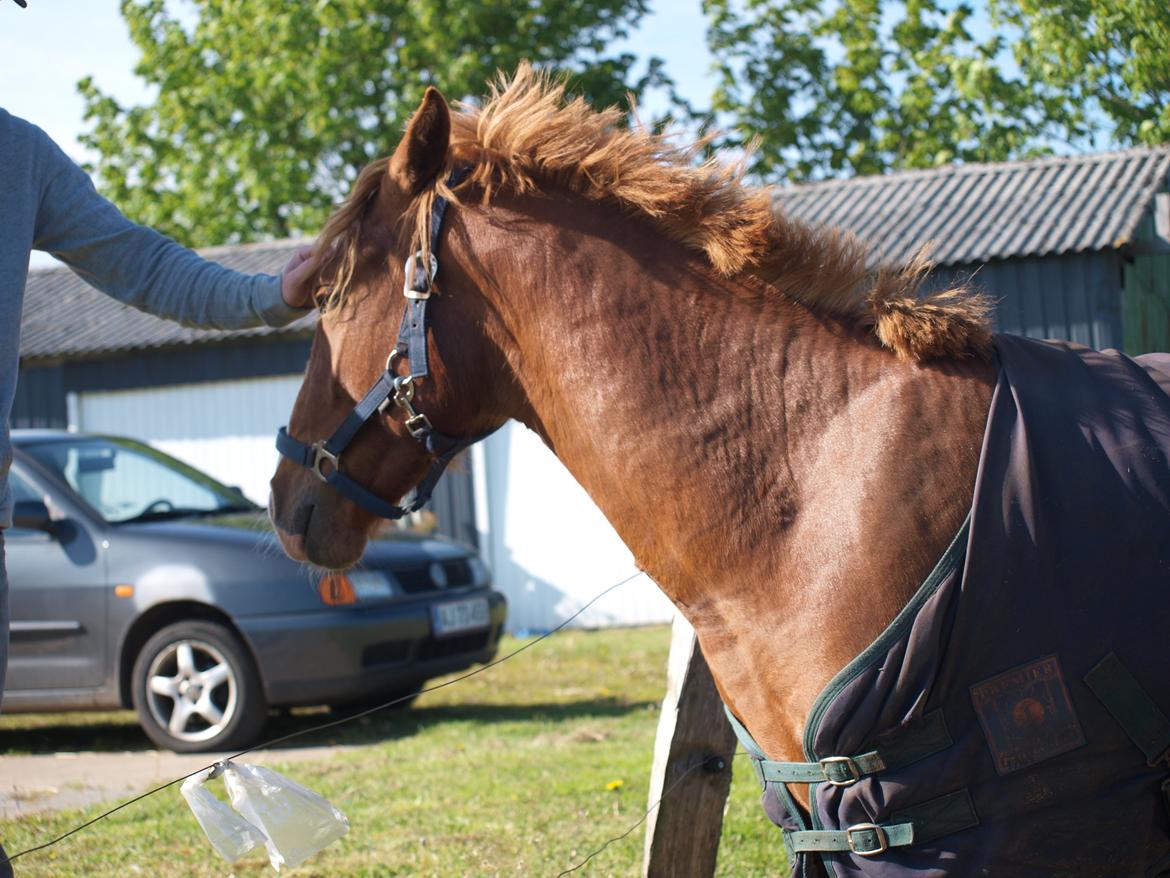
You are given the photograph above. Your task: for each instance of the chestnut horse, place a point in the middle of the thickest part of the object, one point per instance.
(779, 431)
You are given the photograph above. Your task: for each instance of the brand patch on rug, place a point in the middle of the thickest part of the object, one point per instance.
(1026, 715)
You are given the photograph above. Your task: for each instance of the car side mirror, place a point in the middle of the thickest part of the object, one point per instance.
(31, 514)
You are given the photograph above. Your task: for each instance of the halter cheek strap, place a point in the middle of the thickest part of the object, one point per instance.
(391, 388)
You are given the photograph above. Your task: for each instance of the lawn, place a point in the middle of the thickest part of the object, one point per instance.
(506, 773)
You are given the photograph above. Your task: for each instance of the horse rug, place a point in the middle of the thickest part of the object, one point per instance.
(1012, 720)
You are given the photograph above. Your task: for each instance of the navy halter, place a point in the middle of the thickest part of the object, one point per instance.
(391, 388)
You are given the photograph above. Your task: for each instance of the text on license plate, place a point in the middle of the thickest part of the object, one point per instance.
(459, 616)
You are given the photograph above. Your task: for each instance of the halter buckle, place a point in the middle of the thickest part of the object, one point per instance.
(417, 423)
(410, 276)
(321, 453)
(419, 426)
(403, 390)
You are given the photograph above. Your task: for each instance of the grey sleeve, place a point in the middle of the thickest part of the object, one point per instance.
(141, 267)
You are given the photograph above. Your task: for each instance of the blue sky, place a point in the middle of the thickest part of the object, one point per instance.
(47, 48)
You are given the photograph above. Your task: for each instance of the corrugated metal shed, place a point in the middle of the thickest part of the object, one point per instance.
(973, 214)
(64, 317)
(1074, 296)
(977, 213)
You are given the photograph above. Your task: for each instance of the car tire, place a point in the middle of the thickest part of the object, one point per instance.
(196, 689)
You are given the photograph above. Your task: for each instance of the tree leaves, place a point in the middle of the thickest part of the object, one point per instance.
(267, 109)
(863, 86)
(1107, 58)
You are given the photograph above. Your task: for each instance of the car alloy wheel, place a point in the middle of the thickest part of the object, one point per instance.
(192, 690)
(196, 688)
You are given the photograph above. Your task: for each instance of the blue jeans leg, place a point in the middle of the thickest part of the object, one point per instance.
(5, 867)
(3, 625)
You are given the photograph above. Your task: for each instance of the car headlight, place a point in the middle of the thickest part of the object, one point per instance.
(340, 589)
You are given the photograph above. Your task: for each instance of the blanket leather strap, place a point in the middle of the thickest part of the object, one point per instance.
(919, 824)
(1130, 704)
(863, 839)
(891, 751)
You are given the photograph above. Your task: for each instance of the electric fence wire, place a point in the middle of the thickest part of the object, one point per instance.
(329, 725)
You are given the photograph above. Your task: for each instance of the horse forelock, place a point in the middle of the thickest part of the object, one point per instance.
(530, 137)
(337, 252)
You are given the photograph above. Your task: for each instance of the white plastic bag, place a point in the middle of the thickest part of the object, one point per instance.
(290, 820)
(296, 821)
(228, 832)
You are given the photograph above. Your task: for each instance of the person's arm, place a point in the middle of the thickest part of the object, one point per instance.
(147, 270)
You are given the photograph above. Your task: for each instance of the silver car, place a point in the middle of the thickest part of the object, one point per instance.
(137, 581)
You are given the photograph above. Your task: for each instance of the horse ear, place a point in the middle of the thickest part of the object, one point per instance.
(423, 151)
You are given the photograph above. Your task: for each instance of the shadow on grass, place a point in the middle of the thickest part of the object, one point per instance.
(113, 734)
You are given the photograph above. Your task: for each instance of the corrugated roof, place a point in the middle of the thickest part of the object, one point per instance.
(973, 213)
(66, 317)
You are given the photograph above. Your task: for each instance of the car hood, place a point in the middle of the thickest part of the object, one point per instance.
(235, 562)
(252, 532)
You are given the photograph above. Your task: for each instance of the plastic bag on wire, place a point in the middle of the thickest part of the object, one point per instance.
(228, 832)
(296, 821)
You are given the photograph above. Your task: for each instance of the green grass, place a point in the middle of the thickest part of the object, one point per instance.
(503, 774)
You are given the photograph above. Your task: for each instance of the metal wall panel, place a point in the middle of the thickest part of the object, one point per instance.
(251, 358)
(1147, 304)
(551, 549)
(40, 398)
(1146, 300)
(1076, 296)
(225, 428)
(228, 429)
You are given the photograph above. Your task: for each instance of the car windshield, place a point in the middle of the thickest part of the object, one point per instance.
(125, 481)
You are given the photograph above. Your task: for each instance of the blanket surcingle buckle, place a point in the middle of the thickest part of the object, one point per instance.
(859, 835)
(828, 765)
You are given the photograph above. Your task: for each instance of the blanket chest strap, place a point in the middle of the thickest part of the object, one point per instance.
(893, 750)
(921, 823)
(863, 839)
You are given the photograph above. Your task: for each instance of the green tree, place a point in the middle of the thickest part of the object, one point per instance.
(863, 86)
(1106, 59)
(267, 109)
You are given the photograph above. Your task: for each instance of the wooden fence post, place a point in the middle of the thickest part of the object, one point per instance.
(682, 834)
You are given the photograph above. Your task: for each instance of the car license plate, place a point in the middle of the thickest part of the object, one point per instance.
(459, 616)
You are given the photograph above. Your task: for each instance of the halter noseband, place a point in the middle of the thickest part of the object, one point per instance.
(391, 388)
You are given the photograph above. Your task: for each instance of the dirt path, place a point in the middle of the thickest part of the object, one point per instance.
(29, 784)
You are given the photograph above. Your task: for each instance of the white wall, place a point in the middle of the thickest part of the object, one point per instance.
(225, 428)
(550, 548)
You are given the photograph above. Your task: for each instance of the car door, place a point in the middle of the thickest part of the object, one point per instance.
(58, 596)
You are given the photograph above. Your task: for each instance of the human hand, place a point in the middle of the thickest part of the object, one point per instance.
(295, 286)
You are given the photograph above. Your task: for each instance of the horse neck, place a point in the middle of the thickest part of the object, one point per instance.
(765, 466)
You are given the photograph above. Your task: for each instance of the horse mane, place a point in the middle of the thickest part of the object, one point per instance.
(528, 137)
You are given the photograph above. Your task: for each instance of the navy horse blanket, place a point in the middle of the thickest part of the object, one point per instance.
(1012, 721)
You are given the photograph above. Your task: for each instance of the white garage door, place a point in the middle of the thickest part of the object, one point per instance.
(225, 428)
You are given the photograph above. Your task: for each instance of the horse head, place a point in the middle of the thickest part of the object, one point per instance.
(364, 256)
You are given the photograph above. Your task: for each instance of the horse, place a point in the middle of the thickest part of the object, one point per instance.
(787, 435)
